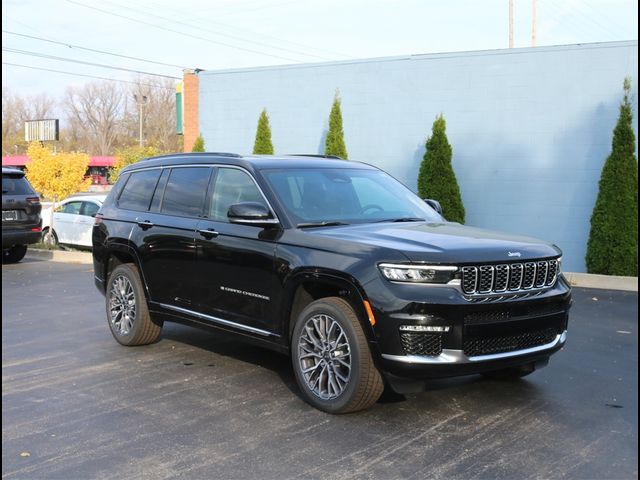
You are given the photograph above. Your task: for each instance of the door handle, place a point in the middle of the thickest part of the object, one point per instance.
(145, 224)
(208, 234)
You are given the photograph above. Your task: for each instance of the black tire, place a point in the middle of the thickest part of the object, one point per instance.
(50, 239)
(14, 254)
(139, 330)
(364, 384)
(510, 374)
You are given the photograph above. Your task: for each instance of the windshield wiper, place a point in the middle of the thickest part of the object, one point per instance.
(320, 224)
(402, 219)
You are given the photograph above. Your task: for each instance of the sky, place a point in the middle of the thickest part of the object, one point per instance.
(223, 34)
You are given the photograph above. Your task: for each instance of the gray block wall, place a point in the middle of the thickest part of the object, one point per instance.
(530, 128)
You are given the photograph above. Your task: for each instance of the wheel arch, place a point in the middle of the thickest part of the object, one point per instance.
(308, 285)
(119, 253)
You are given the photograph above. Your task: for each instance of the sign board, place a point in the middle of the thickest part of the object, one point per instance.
(41, 130)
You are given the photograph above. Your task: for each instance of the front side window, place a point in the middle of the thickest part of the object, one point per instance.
(232, 186)
(346, 195)
(137, 192)
(185, 191)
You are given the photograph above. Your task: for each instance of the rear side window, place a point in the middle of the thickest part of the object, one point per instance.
(185, 191)
(137, 193)
(72, 208)
(90, 209)
(15, 185)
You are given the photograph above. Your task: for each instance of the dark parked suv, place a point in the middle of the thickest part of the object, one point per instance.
(332, 262)
(21, 222)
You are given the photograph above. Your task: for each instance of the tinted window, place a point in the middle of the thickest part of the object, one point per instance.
(137, 193)
(15, 185)
(346, 195)
(90, 209)
(185, 191)
(157, 196)
(232, 186)
(72, 208)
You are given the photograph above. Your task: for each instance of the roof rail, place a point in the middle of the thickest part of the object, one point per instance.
(316, 155)
(224, 154)
(172, 155)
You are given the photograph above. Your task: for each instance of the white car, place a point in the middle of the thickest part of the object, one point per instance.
(72, 220)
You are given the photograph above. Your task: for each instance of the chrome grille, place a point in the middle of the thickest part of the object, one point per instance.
(529, 277)
(508, 277)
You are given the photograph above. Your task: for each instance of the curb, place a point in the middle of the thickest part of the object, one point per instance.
(84, 258)
(607, 282)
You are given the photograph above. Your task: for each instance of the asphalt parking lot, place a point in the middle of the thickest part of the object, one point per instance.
(199, 405)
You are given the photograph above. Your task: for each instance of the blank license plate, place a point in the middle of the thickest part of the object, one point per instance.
(9, 215)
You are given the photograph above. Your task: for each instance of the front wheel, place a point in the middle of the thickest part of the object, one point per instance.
(127, 310)
(331, 359)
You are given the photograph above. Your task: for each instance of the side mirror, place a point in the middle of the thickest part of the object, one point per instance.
(251, 213)
(435, 205)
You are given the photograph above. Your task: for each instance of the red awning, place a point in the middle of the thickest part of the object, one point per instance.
(22, 160)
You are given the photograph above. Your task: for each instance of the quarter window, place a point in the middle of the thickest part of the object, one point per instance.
(232, 186)
(185, 191)
(137, 193)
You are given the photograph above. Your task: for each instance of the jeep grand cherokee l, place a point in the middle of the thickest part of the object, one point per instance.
(21, 222)
(335, 263)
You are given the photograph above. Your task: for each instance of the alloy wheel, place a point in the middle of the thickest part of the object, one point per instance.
(122, 305)
(324, 355)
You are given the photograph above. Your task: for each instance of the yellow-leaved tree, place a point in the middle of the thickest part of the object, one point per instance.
(129, 155)
(56, 176)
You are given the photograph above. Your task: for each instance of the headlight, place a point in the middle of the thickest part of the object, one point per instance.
(418, 273)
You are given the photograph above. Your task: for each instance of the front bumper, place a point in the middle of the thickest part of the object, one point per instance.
(471, 337)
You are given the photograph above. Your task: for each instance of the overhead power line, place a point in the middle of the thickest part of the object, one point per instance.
(197, 37)
(95, 50)
(208, 30)
(82, 62)
(88, 76)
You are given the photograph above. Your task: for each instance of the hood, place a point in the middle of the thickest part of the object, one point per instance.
(442, 242)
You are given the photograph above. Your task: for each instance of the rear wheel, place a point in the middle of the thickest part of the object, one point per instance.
(49, 237)
(127, 310)
(331, 359)
(14, 254)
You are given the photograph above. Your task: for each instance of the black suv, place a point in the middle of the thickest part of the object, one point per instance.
(332, 262)
(21, 222)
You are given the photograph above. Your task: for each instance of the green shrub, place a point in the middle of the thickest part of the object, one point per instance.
(334, 144)
(613, 240)
(198, 145)
(437, 179)
(263, 145)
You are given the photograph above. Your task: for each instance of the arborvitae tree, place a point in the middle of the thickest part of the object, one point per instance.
(335, 136)
(198, 145)
(613, 241)
(263, 145)
(437, 179)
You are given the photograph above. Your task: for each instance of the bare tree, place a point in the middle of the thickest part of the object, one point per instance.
(95, 114)
(15, 111)
(159, 113)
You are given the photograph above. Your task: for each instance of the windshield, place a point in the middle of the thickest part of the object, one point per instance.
(328, 195)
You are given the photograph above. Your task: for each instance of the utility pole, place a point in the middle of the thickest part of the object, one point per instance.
(534, 23)
(141, 103)
(510, 23)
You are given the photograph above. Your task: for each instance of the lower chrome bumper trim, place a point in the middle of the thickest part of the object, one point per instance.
(450, 356)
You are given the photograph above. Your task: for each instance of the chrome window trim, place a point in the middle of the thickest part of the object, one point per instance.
(219, 320)
(213, 165)
(451, 356)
